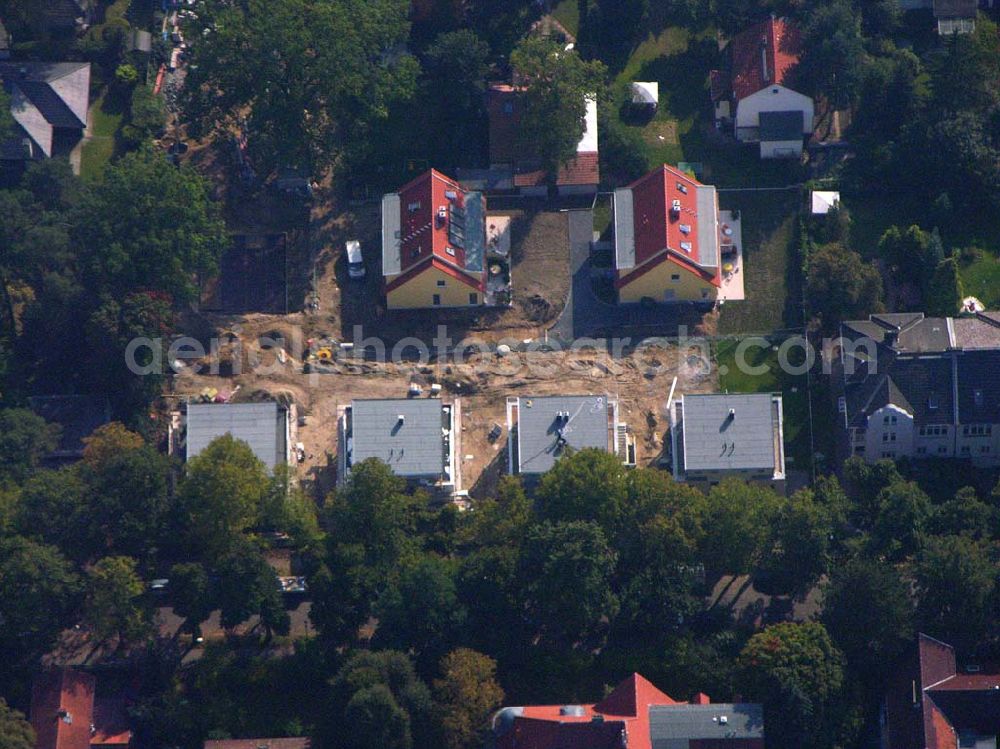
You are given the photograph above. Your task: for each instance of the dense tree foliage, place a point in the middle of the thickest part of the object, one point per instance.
(324, 72)
(15, 730)
(841, 286)
(467, 695)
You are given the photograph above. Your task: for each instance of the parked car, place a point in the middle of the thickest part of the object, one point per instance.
(355, 262)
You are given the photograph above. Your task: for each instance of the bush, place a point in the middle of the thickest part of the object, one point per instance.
(969, 255)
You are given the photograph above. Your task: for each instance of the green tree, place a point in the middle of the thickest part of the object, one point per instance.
(377, 720)
(149, 225)
(147, 116)
(39, 591)
(944, 293)
(956, 585)
(7, 121)
(565, 572)
(191, 593)
(841, 286)
(221, 494)
(113, 607)
(322, 73)
(799, 544)
(868, 611)
(467, 695)
(25, 438)
(248, 585)
(458, 62)
(420, 610)
(904, 510)
(556, 86)
(586, 485)
(741, 516)
(126, 76)
(798, 673)
(965, 515)
(287, 508)
(833, 58)
(15, 731)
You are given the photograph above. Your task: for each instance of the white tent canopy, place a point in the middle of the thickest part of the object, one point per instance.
(645, 92)
(824, 201)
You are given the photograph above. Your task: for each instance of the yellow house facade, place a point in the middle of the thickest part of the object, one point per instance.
(433, 286)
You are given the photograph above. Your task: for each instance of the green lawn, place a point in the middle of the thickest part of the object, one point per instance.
(981, 279)
(793, 389)
(771, 269)
(101, 147)
(567, 12)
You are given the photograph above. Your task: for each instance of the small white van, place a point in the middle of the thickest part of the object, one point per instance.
(355, 263)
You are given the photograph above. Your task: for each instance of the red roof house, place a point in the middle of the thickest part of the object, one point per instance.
(636, 715)
(66, 715)
(433, 244)
(934, 705)
(579, 175)
(758, 98)
(667, 238)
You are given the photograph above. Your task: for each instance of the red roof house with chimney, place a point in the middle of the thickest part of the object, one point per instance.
(434, 246)
(756, 97)
(933, 704)
(636, 715)
(668, 242)
(580, 175)
(66, 715)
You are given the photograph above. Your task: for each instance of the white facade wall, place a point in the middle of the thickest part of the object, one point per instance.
(889, 434)
(774, 98)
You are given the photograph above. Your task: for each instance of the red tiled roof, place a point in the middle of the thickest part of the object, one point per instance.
(625, 709)
(62, 708)
(763, 54)
(657, 229)
(505, 117)
(420, 230)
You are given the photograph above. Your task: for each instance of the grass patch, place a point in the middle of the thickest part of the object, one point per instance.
(773, 277)
(97, 152)
(981, 279)
(567, 13)
(770, 378)
(602, 216)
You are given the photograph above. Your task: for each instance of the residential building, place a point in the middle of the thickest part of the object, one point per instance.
(66, 714)
(508, 152)
(670, 244)
(755, 98)
(933, 704)
(821, 202)
(723, 435)
(955, 16)
(293, 743)
(49, 102)
(920, 387)
(265, 427)
(434, 247)
(418, 438)
(540, 429)
(636, 715)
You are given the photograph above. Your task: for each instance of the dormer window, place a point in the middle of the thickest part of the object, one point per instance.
(682, 187)
(977, 397)
(932, 402)
(413, 207)
(686, 246)
(685, 228)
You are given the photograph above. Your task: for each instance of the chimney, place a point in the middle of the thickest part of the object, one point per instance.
(701, 699)
(400, 418)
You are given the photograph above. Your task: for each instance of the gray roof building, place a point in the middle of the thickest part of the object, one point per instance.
(542, 428)
(728, 433)
(413, 436)
(678, 726)
(49, 102)
(263, 426)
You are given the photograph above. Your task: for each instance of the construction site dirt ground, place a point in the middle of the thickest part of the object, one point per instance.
(641, 381)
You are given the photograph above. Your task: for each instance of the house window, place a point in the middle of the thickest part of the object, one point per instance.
(965, 449)
(921, 451)
(473, 298)
(774, 90)
(943, 449)
(436, 301)
(508, 107)
(888, 454)
(682, 187)
(977, 397)
(932, 402)
(450, 251)
(704, 293)
(441, 282)
(675, 276)
(413, 207)
(984, 448)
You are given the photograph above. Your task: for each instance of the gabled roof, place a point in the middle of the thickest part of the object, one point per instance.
(53, 108)
(666, 215)
(632, 697)
(436, 218)
(956, 8)
(504, 107)
(762, 55)
(62, 709)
